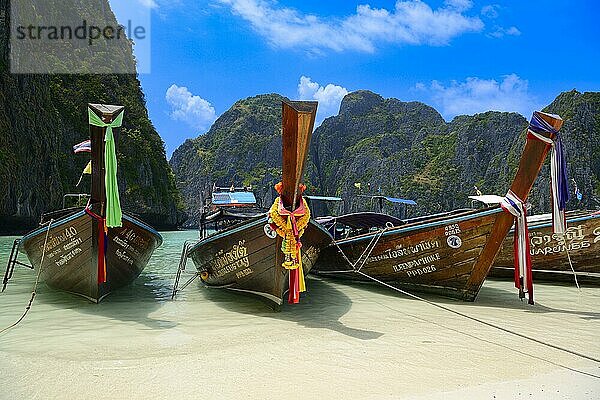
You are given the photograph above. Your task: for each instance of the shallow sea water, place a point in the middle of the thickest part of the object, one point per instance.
(352, 340)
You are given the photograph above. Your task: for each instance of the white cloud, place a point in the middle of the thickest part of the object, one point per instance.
(476, 95)
(148, 3)
(501, 32)
(193, 110)
(459, 5)
(411, 22)
(329, 97)
(490, 11)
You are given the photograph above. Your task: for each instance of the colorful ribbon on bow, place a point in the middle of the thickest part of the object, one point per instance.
(290, 226)
(558, 170)
(113, 203)
(102, 243)
(523, 273)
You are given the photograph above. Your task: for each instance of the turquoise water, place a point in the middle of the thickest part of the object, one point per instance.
(153, 285)
(359, 340)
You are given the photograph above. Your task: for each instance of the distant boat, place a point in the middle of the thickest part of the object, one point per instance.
(448, 254)
(82, 252)
(247, 256)
(228, 206)
(549, 251)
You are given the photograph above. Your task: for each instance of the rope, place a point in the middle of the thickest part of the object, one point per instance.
(37, 280)
(366, 252)
(489, 341)
(571, 263)
(575, 353)
(506, 330)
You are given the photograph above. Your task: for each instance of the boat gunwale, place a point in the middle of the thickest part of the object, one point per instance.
(424, 224)
(81, 213)
(243, 225)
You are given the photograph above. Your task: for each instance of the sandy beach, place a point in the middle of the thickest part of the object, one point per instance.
(343, 341)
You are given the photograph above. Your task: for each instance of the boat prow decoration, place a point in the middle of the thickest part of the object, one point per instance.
(248, 256)
(91, 252)
(449, 253)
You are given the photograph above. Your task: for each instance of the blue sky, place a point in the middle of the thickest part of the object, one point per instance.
(460, 56)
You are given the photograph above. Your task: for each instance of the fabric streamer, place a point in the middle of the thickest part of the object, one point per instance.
(290, 226)
(113, 204)
(523, 273)
(558, 170)
(102, 244)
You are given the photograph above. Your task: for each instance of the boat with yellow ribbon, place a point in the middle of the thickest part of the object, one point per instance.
(270, 254)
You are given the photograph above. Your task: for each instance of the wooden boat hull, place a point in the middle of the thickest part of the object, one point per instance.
(438, 256)
(548, 251)
(242, 258)
(71, 258)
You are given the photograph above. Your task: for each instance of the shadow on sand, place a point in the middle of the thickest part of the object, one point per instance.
(488, 297)
(321, 307)
(132, 303)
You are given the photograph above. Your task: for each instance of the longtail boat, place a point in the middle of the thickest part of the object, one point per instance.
(91, 251)
(268, 255)
(228, 206)
(557, 257)
(448, 254)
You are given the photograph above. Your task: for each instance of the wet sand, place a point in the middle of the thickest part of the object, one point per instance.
(343, 341)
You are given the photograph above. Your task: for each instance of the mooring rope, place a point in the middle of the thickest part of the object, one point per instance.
(35, 285)
(492, 325)
(571, 264)
(490, 341)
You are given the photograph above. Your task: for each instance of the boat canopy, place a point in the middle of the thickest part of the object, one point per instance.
(399, 201)
(395, 200)
(233, 199)
(365, 220)
(489, 199)
(324, 198)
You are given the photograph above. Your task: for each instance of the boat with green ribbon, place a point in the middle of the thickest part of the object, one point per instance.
(90, 251)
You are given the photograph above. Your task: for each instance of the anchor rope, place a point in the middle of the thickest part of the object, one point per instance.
(489, 341)
(475, 319)
(35, 285)
(571, 263)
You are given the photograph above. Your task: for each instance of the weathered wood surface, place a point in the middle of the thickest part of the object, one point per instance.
(243, 258)
(68, 255)
(459, 272)
(297, 123)
(549, 251)
(438, 258)
(128, 252)
(69, 263)
(532, 159)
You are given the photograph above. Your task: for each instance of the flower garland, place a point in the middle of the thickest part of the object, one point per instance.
(290, 226)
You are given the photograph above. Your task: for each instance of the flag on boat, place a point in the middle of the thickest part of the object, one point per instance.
(83, 147)
(86, 171)
(88, 168)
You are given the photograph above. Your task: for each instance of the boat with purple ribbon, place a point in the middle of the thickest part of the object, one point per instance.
(94, 250)
(448, 254)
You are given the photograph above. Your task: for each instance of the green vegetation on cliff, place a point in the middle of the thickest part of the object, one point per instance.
(43, 116)
(243, 147)
(404, 148)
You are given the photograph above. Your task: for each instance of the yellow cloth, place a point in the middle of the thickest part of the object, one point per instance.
(88, 168)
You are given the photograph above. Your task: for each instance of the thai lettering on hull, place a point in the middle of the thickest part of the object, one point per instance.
(401, 251)
(551, 243)
(233, 260)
